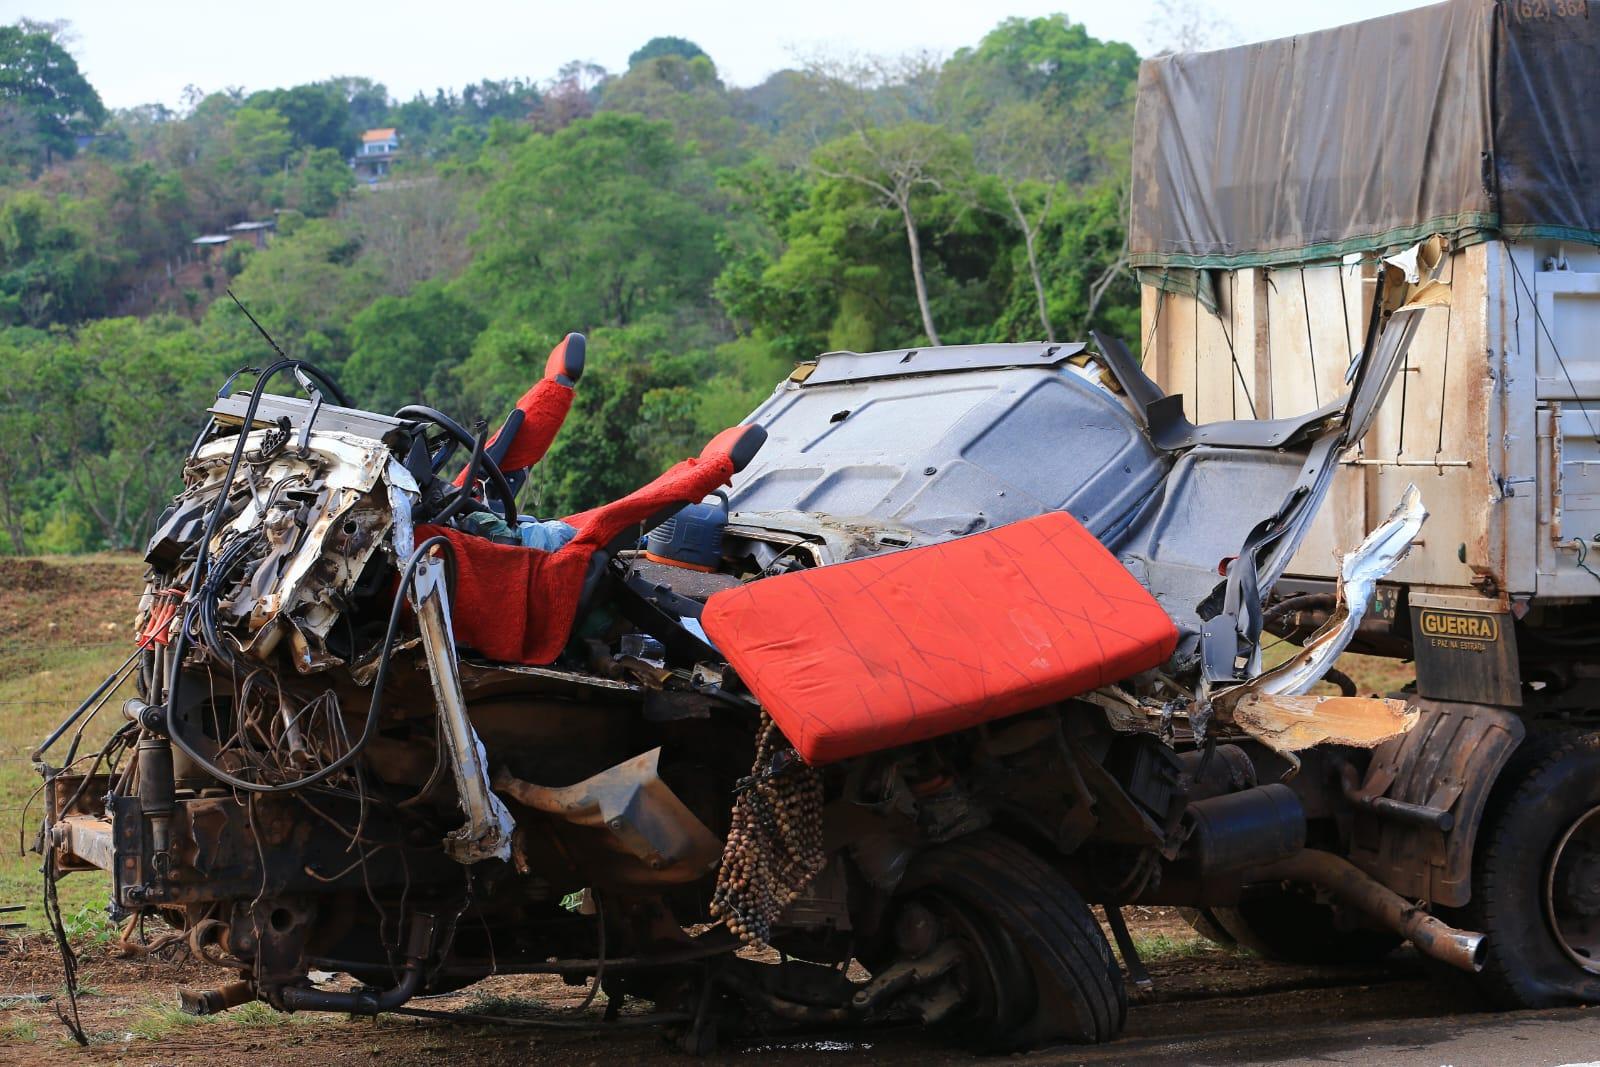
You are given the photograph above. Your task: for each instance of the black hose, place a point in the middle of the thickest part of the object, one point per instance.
(211, 592)
(374, 709)
(1346, 684)
(112, 680)
(1299, 602)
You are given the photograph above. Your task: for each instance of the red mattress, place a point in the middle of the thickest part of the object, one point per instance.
(884, 651)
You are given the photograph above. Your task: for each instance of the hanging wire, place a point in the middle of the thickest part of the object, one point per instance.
(1583, 555)
(1444, 375)
(1233, 296)
(1344, 306)
(1155, 321)
(1195, 341)
(1311, 345)
(1538, 318)
(1233, 356)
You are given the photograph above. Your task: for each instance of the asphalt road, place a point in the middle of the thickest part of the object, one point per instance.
(1520, 1039)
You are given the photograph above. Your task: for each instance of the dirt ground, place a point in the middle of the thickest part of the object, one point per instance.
(1210, 1005)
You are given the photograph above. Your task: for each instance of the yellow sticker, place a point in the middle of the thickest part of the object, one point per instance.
(1467, 625)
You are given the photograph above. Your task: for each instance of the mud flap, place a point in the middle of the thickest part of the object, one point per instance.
(1449, 762)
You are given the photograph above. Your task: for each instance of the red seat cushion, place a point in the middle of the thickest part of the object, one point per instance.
(884, 651)
(517, 605)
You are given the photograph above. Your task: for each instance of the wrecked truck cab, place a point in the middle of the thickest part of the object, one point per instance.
(376, 733)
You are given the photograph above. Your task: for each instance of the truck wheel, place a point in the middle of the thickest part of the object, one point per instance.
(1202, 922)
(1536, 882)
(1290, 925)
(1037, 969)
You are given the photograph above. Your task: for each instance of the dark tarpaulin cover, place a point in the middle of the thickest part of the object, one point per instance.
(1469, 118)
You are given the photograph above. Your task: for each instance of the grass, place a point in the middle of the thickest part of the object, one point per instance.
(1166, 947)
(255, 1014)
(45, 671)
(89, 925)
(505, 1006)
(21, 1030)
(162, 1020)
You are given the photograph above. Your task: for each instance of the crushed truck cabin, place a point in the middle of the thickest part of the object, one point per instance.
(972, 638)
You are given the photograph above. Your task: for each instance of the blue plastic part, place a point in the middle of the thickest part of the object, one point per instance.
(692, 537)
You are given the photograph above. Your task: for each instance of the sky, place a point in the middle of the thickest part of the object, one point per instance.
(147, 51)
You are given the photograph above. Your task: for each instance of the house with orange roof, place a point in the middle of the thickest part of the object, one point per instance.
(377, 153)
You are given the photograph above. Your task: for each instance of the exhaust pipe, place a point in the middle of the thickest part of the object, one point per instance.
(361, 1002)
(1348, 884)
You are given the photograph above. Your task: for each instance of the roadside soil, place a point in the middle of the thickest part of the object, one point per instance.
(1204, 996)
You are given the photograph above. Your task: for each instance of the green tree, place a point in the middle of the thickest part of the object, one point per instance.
(47, 99)
(1049, 108)
(596, 225)
(259, 139)
(304, 290)
(656, 47)
(315, 116)
(890, 147)
(830, 272)
(405, 349)
(49, 274)
(686, 93)
(323, 180)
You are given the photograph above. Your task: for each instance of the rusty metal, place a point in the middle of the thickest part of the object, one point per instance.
(1346, 883)
(215, 1001)
(636, 816)
(1441, 819)
(1448, 763)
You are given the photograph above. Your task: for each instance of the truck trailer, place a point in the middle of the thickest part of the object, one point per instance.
(1288, 198)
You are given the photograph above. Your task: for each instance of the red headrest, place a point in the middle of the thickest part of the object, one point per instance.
(565, 364)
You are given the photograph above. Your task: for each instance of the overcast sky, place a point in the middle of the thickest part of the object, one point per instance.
(144, 51)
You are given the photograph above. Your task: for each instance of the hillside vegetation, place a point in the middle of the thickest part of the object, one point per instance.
(704, 237)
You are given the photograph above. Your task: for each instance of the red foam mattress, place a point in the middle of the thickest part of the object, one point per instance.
(884, 651)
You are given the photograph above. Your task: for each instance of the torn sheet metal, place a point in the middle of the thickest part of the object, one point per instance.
(488, 829)
(1289, 724)
(1358, 577)
(640, 815)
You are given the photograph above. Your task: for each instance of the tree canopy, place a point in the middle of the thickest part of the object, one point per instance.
(656, 47)
(45, 101)
(706, 237)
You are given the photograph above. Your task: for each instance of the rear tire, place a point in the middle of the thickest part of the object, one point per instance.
(1204, 923)
(1039, 971)
(1536, 881)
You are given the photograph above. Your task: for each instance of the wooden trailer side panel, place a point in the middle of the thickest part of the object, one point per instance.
(1293, 333)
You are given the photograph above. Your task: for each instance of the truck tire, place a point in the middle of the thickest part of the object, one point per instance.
(1039, 969)
(1202, 922)
(1290, 925)
(1536, 881)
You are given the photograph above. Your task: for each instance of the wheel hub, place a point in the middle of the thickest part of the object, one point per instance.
(1572, 891)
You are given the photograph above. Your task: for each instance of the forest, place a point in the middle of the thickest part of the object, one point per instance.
(704, 237)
